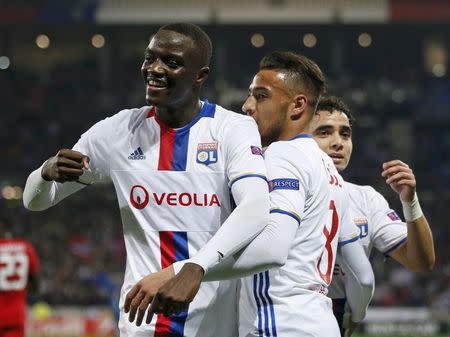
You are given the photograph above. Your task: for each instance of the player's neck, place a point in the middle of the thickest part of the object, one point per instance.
(292, 130)
(177, 117)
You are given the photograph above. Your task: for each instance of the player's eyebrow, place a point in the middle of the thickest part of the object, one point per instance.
(260, 90)
(173, 55)
(346, 128)
(324, 127)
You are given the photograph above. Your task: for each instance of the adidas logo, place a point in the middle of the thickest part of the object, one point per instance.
(137, 154)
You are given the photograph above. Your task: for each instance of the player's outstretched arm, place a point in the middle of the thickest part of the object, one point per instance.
(360, 281)
(44, 187)
(168, 295)
(268, 250)
(417, 254)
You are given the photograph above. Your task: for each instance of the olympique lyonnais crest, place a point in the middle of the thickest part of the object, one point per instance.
(207, 153)
(363, 225)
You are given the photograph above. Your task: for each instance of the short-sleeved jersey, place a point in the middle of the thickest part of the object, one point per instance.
(305, 186)
(18, 260)
(173, 188)
(379, 227)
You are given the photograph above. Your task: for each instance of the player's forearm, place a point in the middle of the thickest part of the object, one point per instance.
(246, 221)
(268, 250)
(360, 281)
(420, 247)
(418, 252)
(40, 194)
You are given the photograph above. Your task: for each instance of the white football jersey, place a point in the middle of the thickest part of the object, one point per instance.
(173, 188)
(291, 300)
(379, 227)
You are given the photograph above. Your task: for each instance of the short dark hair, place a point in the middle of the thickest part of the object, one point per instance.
(302, 71)
(332, 103)
(198, 35)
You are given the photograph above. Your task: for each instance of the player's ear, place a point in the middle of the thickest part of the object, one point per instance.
(202, 75)
(300, 103)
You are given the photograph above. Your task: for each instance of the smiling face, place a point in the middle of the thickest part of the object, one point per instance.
(268, 103)
(333, 133)
(172, 69)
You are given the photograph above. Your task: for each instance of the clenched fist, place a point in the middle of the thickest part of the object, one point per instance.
(66, 165)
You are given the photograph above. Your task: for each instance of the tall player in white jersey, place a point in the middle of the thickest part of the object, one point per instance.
(307, 216)
(409, 243)
(175, 165)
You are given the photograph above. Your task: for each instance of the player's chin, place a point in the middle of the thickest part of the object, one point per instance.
(341, 166)
(156, 99)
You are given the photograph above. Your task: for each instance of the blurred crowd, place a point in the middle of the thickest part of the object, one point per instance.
(80, 241)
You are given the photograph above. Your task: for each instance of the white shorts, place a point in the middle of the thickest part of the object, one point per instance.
(263, 313)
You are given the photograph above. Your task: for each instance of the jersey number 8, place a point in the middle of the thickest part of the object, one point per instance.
(330, 234)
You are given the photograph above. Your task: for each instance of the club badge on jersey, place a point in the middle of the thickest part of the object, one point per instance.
(207, 153)
(363, 224)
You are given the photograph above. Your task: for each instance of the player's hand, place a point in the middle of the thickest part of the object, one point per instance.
(66, 165)
(176, 294)
(351, 328)
(401, 178)
(142, 294)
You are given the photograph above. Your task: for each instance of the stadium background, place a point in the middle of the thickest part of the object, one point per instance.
(67, 64)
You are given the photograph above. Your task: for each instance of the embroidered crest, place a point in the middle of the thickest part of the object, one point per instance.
(207, 153)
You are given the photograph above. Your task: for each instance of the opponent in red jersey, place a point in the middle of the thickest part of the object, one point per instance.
(19, 265)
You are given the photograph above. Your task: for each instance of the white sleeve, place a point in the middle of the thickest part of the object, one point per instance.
(359, 281)
(244, 157)
(389, 231)
(247, 220)
(40, 194)
(268, 250)
(288, 182)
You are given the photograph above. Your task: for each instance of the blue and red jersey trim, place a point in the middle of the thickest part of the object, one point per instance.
(174, 143)
(174, 247)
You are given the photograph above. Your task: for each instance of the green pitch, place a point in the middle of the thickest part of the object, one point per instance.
(364, 335)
